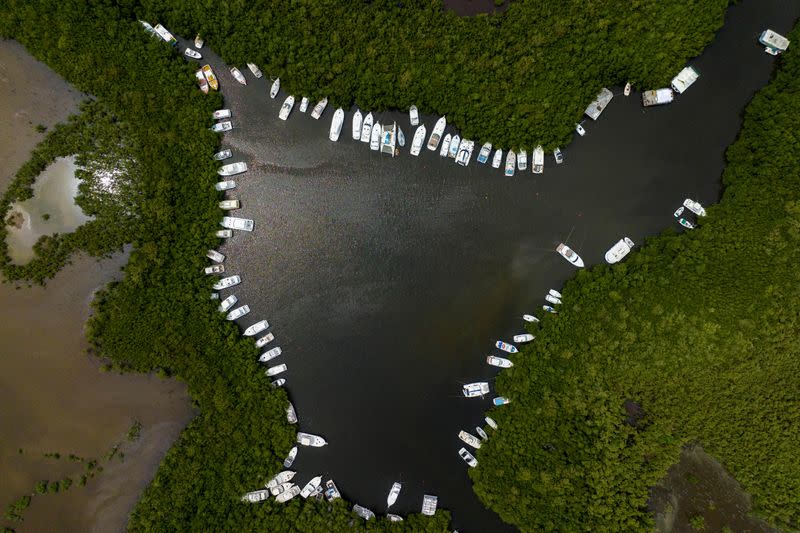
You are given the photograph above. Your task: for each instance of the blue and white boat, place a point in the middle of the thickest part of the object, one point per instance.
(510, 348)
(501, 400)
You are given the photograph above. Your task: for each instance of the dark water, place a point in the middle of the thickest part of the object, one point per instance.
(387, 280)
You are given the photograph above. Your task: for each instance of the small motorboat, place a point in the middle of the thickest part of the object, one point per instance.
(481, 433)
(286, 108)
(229, 205)
(498, 159)
(366, 128)
(678, 212)
(269, 355)
(223, 155)
(443, 151)
(237, 313)
(331, 491)
(627, 90)
(221, 127)
(473, 390)
(468, 457)
(307, 439)
(567, 253)
(501, 400)
(549, 309)
(529, 318)
(554, 292)
(319, 108)
(291, 414)
(393, 494)
(363, 512)
(685, 223)
(238, 76)
(227, 303)
(212, 79)
(522, 160)
(394, 517)
(304, 104)
(491, 422)
(280, 488)
(558, 155)
(500, 362)
(375, 137)
(483, 155)
(278, 382)
(288, 494)
(552, 299)
(266, 339)
(201, 81)
(436, 134)
(225, 185)
(511, 160)
(538, 160)
(280, 478)
(413, 115)
(401, 137)
(214, 269)
(694, 207)
(470, 439)
(227, 283)
(291, 457)
(255, 70)
(523, 337)
(276, 86)
(336, 125)
(275, 370)
(580, 130)
(256, 328)
(198, 42)
(191, 53)
(455, 142)
(419, 139)
(220, 114)
(357, 120)
(619, 250)
(510, 348)
(311, 486)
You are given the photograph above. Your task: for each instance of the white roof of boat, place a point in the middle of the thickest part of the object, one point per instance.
(685, 79)
(599, 104)
(775, 40)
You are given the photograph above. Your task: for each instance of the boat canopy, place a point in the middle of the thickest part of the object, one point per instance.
(774, 41)
(685, 79)
(599, 104)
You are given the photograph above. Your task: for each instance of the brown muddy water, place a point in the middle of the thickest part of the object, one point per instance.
(55, 397)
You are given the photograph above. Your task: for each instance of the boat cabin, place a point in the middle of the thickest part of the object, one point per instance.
(684, 79)
(774, 43)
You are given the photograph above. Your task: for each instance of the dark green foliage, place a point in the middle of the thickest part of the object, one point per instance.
(41, 487)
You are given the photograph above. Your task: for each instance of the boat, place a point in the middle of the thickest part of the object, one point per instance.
(286, 108)
(455, 142)
(598, 105)
(498, 158)
(276, 86)
(277, 369)
(331, 491)
(419, 138)
(214, 269)
(473, 390)
(201, 81)
(224, 233)
(627, 90)
(212, 79)
(198, 42)
(657, 97)
(288, 494)
(388, 139)
(229, 205)
(225, 185)
(278, 382)
(319, 108)
(619, 250)
(501, 400)
(538, 160)
(221, 113)
(366, 128)
(468, 457)
(375, 137)
(280, 488)
(227, 303)
(529, 318)
(243, 224)
(401, 137)
(215, 256)
(511, 160)
(266, 339)
(510, 348)
(481, 433)
(500, 362)
(685, 223)
(221, 127)
(552, 299)
(291, 414)
(554, 292)
(522, 160)
(311, 487)
(237, 313)
(223, 154)
(307, 439)
(191, 53)
(413, 115)
(774, 43)
(238, 76)
(336, 125)
(292, 454)
(694, 207)
(684, 79)
(269, 355)
(483, 155)
(164, 34)
(523, 337)
(232, 169)
(256, 328)
(363, 512)
(445, 149)
(568, 254)
(436, 135)
(549, 309)
(255, 70)
(280, 478)
(226, 283)
(394, 517)
(465, 152)
(429, 504)
(256, 496)
(393, 494)
(148, 28)
(357, 119)
(491, 422)
(558, 155)
(678, 212)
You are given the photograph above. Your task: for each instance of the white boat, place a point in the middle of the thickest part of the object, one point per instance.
(501, 362)
(286, 108)
(401, 137)
(443, 151)
(549, 309)
(255, 70)
(280, 488)
(223, 154)
(225, 185)
(214, 269)
(221, 127)
(388, 139)
(229, 205)
(256, 328)
(221, 113)
(685, 223)
(291, 414)
(394, 517)
(678, 212)
(357, 119)
(269, 355)
(290, 458)
(237, 313)
(498, 159)
(242, 224)
(483, 155)
(500, 400)
(227, 303)
(288, 494)
(198, 42)
(304, 104)
(455, 142)
(319, 108)
(470, 439)
(307, 439)
(468, 457)
(694, 207)
(393, 494)
(280, 478)
(363, 512)
(231, 169)
(419, 138)
(511, 161)
(366, 128)
(375, 137)
(506, 347)
(491, 422)
(256, 496)
(684, 79)
(224, 233)
(191, 53)
(568, 254)
(238, 76)
(266, 339)
(473, 390)
(429, 504)
(522, 160)
(215, 256)
(413, 115)
(558, 155)
(481, 433)
(201, 81)
(465, 152)
(580, 130)
(599, 104)
(277, 369)
(529, 318)
(552, 299)
(166, 35)
(336, 125)
(226, 283)
(331, 491)
(523, 337)
(276, 86)
(538, 160)
(436, 135)
(774, 43)
(657, 97)
(278, 382)
(554, 292)
(311, 486)
(627, 90)
(619, 250)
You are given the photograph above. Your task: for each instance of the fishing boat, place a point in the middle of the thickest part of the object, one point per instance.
(419, 138)
(227, 303)
(468, 457)
(413, 115)
(619, 250)
(538, 160)
(255, 70)
(388, 139)
(554, 292)
(363, 512)
(229, 205)
(215, 256)
(511, 160)
(473, 390)
(552, 299)
(223, 154)
(465, 152)
(319, 108)
(201, 81)
(357, 119)
(266, 339)
(523, 337)
(685, 223)
(366, 128)
(304, 104)
(678, 212)
(529, 318)
(277, 369)
(394, 517)
(429, 504)
(500, 362)
(226, 283)
(231, 169)
(311, 487)
(256, 496)
(580, 130)
(214, 269)
(498, 159)
(280, 488)
(291, 457)
(243, 224)
(278, 382)
(483, 155)
(436, 135)
(470, 439)
(307, 439)
(237, 313)
(212, 79)
(375, 137)
(500, 400)
(522, 160)
(393, 494)
(288, 494)
(336, 125)
(331, 491)
(558, 155)
(269, 355)
(510, 348)
(276, 86)
(549, 309)
(455, 142)
(568, 254)
(238, 76)
(286, 108)
(401, 137)
(256, 328)
(481, 433)
(627, 90)
(694, 207)
(224, 233)
(221, 113)
(191, 53)
(221, 127)
(198, 42)
(491, 422)
(443, 151)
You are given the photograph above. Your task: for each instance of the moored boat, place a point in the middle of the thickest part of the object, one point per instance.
(366, 128)
(552, 299)
(291, 414)
(569, 254)
(470, 439)
(394, 517)
(215, 256)
(419, 138)
(336, 125)
(231, 169)
(549, 309)
(483, 155)
(198, 42)
(443, 151)
(413, 115)
(238, 76)
(269, 355)
(165, 35)
(388, 139)
(554, 292)
(278, 382)
(304, 104)
(266, 339)
(481, 433)
(627, 90)
(319, 108)
(221, 127)
(223, 154)
(401, 137)
(473, 390)
(363, 512)
(214, 269)
(280, 488)
(357, 119)
(227, 303)
(221, 113)
(212, 79)
(256, 496)
(523, 337)
(308, 439)
(580, 130)
(694, 207)
(506, 347)
(331, 491)
(286, 108)
(678, 212)
(243, 224)
(288, 494)
(256, 328)
(277, 369)
(500, 362)
(529, 318)
(500, 400)
(237, 313)
(468, 457)
(280, 478)
(311, 486)
(619, 250)
(522, 160)
(229, 205)
(436, 135)
(455, 142)
(191, 53)
(276, 86)
(511, 160)
(498, 159)
(685, 223)
(290, 458)
(465, 152)
(394, 492)
(538, 160)
(375, 137)
(255, 70)
(558, 155)
(491, 422)
(226, 283)
(224, 233)
(429, 504)
(201, 81)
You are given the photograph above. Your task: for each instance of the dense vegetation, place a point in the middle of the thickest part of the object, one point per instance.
(694, 338)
